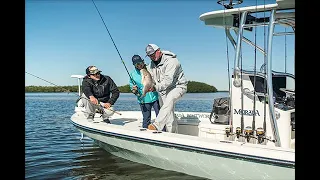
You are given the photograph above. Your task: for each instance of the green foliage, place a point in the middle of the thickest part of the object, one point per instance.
(199, 87)
(51, 88)
(193, 87)
(124, 89)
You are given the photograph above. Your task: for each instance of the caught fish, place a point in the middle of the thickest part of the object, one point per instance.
(146, 80)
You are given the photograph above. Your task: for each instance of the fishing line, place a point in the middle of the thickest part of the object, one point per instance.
(228, 67)
(264, 72)
(114, 44)
(255, 74)
(68, 91)
(134, 83)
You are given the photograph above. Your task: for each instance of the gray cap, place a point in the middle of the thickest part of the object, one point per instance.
(151, 48)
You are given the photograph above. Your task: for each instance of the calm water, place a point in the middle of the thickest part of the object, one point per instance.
(53, 149)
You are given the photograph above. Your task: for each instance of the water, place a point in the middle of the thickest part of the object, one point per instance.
(53, 149)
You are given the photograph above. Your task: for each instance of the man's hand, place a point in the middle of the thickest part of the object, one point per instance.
(135, 89)
(151, 89)
(93, 100)
(107, 105)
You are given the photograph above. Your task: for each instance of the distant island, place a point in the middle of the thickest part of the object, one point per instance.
(193, 87)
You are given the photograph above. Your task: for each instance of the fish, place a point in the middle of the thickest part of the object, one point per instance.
(146, 80)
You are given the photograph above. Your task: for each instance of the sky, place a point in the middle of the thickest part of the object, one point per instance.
(64, 37)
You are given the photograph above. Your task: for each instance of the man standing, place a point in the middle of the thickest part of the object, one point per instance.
(96, 90)
(171, 84)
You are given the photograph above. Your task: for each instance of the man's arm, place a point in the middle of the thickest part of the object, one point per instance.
(171, 70)
(115, 92)
(86, 88)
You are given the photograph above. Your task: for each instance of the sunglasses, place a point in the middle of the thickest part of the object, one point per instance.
(153, 55)
(95, 74)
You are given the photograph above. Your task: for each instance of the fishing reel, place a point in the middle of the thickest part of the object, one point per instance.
(238, 132)
(100, 111)
(228, 131)
(260, 134)
(135, 92)
(248, 133)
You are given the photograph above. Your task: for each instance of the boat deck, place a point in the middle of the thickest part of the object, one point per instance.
(188, 124)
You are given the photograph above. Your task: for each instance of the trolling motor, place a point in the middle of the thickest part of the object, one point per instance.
(230, 4)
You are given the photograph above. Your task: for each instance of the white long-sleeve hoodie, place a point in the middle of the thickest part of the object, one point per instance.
(168, 74)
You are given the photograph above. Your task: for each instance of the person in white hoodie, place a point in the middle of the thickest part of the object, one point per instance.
(170, 83)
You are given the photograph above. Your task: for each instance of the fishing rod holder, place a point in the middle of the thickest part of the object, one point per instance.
(260, 136)
(248, 133)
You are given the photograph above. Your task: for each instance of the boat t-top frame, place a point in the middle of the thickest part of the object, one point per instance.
(242, 19)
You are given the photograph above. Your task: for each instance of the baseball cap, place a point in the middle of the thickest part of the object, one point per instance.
(136, 59)
(92, 70)
(151, 48)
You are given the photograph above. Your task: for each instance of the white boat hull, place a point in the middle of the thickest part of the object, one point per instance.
(194, 159)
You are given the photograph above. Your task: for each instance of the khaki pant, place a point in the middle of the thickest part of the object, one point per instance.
(91, 108)
(166, 117)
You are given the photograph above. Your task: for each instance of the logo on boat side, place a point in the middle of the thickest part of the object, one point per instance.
(181, 115)
(246, 112)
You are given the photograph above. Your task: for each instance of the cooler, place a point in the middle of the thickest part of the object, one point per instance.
(213, 131)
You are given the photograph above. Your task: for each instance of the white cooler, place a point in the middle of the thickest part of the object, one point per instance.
(213, 131)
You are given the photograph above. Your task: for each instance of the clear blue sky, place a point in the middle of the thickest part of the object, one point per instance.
(62, 38)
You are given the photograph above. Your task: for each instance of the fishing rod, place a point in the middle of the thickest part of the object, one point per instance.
(68, 91)
(114, 43)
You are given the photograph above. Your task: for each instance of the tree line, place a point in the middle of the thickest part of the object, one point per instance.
(193, 87)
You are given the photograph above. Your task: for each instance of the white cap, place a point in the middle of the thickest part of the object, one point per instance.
(151, 48)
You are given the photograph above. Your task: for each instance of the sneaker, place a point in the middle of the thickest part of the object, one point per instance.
(152, 127)
(107, 121)
(90, 117)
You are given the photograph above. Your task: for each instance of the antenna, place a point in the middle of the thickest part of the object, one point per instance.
(228, 4)
(79, 77)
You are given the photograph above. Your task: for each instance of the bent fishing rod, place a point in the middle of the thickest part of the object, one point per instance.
(68, 91)
(114, 43)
